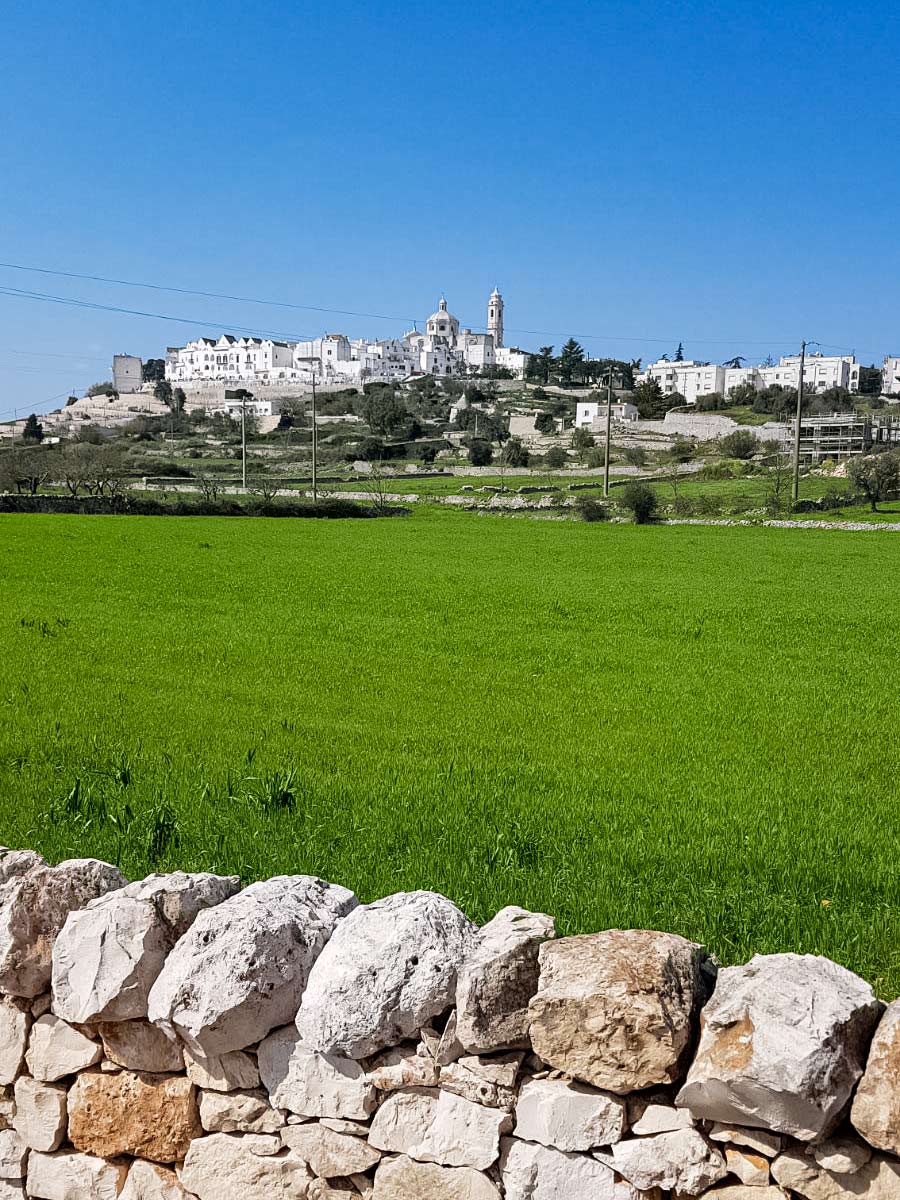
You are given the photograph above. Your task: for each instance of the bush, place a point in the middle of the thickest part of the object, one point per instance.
(595, 457)
(555, 458)
(804, 506)
(640, 500)
(515, 454)
(715, 471)
(683, 506)
(740, 444)
(480, 453)
(708, 506)
(589, 509)
(635, 456)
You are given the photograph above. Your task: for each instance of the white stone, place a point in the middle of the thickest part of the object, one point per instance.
(355, 1128)
(751, 1169)
(149, 1181)
(759, 1140)
(69, 1175)
(783, 1043)
(15, 1022)
(389, 968)
(238, 1112)
(12, 1189)
(13, 1155)
(40, 1119)
(681, 1160)
(140, 1046)
(434, 1126)
(661, 1118)
(242, 967)
(841, 1155)
(56, 1050)
(878, 1179)
(742, 1191)
(497, 980)
(266, 1145)
(402, 1067)
(17, 862)
(234, 1071)
(484, 1080)
(109, 954)
(533, 1172)
(403, 1179)
(567, 1115)
(311, 1084)
(33, 909)
(328, 1153)
(876, 1105)
(224, 1167)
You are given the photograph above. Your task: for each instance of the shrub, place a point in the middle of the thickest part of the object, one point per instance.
(555, 458)
(640, 500)
(595, 457)
(708, 506)
(635, 456)
(590, 509)
(740, 444)
(515, 454)
(715, 471)
(683, 506)
(480, 453)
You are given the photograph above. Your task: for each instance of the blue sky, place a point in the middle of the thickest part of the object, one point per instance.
(723, 175)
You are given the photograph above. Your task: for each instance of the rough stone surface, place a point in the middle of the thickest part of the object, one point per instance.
(140, 1046)
(234, 1071)
(749, 1168)
(13, 1189)
(759, 1140)
(617, 1009)
(238, 1112)
(783, 1043)
(389, 968)
(224, 1167)
(148, 1116)
(842, 1155)
(55, 1050)
(661, 1118)
(533, 1172)
(740, 1191)
(435, 1126)
(876, 1105)
(40, 1119)
(878, 1179)
(109, 954)
(13, 1155)
(497, 980)
(311, 1084)
(569, 1116)
(15, 1022)
(33, 909)
(681, 1161)
(67, 1175)
(242, 967)
(149, 1181)
(18, 862)
(403, 1179)
(490, 1081)
(403, 1067)
(328, 1153)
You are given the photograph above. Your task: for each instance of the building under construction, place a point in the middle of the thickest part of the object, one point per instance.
(843, 435)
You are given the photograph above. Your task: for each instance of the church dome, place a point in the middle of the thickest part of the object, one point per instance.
(442, 323)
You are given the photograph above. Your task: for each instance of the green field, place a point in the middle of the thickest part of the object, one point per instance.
(682, 728)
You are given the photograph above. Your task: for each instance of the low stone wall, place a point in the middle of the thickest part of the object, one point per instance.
(181, 1036)
(714, 425)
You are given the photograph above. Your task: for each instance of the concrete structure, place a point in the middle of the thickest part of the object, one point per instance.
(820, 372)
(591, 414)
(890, 376)
(127, 374)
(692, 379)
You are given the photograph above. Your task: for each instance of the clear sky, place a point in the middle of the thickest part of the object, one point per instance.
(725, 175)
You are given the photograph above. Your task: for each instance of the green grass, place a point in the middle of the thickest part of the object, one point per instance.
(680, 728)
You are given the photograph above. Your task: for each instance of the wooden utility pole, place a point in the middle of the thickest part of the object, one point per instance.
(244, 439)
(315, 444)
(795, 484)
(608, 432)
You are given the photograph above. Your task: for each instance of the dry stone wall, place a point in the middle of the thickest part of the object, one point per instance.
(180, 1036)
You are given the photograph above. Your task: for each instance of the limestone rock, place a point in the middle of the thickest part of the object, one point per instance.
(617, 1009)
(661, 1118)
(490, 1081)
(109, 954)
(12, 1189)
(18, 862)
(681, 1161)
(403, 1067)
(40, 1119)
(242, 967)
(841, 1155)
(533, 1172)
(148, 1116)
(15, 1022)
(328, 1153)
(140, 1046)
(568, 1116)
(878, 1179)
(403, 1179)
(354, 1128)
(876, 1105)
(311, 1084)
(759, 1140)
(149, 1181)
(783, 1043)
(741, 1191)
(238, 1112)
(67, 1175)
(434, 1126)
(751, 1169)
(224, 1167)
(497, 980)
(33, 909)
(13, 1155)
(334, 1189)
(231, 1072)
(56, 1050)
(389, 968)
(7, 1107)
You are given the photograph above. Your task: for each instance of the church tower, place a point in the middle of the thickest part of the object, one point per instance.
(495, 318)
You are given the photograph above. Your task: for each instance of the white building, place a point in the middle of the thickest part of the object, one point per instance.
(692, 379)
(591, 414)
(231, 359)
(820, 372)
(890, 376)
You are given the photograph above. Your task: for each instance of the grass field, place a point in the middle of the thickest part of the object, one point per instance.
(683, 728)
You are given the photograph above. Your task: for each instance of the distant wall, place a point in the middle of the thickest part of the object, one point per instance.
(714, 425)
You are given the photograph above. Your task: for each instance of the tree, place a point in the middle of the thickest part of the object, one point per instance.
(153, 370)
(734, 364)
(635, 456)
(870, 380)
(682, 450)
(545, 422)
(102, 389)
(640, 500)
(383, 410)
(742, 394)
(163, 392)
(33, 430)
(178, 400)
(740, 444)
(480, 452)
(679, 353)
(650, 401)
(555, 458)
(24, 470)
(582, 440)
(540, 365)
(370, 449)
(514, 454)
(875, 476)
(709, 402)
(570, 361)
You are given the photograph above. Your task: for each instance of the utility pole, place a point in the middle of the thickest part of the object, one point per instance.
(315, 444)
(795, 485)
(244, 438)
(608, 429)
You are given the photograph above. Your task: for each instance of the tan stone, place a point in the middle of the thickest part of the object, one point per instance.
(148, 1116)
(329, 1153)
(490, 1081)
(140, 1046)
(231, 1072)
(749, 1168)
(404, 1179)
(741, 1191)
(876, 1105)
(759, 1140)
(40, 1119)
(238, 1112)
(402, 1067)
(15, 1022)
(617, 1009)
(225, 1167)
(878, 1179)
(149, 1181)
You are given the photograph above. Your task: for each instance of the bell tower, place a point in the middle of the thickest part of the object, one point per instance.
(495, 317)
